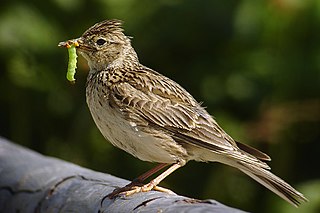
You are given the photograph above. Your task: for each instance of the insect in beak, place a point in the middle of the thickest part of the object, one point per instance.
(71, 45)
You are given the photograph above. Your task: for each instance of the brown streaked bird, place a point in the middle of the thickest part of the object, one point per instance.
(154, 119)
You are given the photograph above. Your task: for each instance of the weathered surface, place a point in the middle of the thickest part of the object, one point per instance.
(31, 182)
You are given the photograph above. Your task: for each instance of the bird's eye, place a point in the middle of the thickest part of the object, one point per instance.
(101, 41)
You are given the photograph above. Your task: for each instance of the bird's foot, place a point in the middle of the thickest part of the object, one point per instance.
(146, 188)
(136, 187)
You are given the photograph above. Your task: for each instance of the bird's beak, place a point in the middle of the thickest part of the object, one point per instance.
(73, 42)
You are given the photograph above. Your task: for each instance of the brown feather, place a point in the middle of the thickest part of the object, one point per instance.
(253, 151)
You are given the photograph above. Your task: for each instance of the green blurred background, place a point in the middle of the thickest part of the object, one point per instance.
(254, 64)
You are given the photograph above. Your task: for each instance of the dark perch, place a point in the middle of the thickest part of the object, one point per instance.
(31, 182)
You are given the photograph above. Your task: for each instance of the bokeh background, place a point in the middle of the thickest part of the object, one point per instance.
(254, 64)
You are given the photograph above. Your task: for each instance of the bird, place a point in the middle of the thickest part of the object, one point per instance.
(155, 119)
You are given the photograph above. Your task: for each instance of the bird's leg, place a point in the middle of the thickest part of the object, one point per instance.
(138, 181)
(137, 186)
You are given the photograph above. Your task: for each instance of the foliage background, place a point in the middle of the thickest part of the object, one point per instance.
(254, 64)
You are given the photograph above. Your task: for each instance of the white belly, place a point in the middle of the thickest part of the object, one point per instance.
(126, 135)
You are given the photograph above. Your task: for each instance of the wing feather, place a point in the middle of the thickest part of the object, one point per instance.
(164, 104)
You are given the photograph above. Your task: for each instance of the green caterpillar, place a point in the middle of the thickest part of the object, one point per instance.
(72, 64)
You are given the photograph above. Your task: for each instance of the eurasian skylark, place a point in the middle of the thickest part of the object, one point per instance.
(153, 118)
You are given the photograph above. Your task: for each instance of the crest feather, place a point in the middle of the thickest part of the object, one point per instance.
(106, 26)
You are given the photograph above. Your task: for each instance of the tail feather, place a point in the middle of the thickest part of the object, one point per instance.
(272, 182)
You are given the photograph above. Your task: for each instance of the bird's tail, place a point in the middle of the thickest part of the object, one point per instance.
(272, 182)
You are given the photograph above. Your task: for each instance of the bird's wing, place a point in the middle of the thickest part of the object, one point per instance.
(151, 99)
(162, 103)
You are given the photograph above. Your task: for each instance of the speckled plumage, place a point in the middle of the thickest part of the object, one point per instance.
(153, 118)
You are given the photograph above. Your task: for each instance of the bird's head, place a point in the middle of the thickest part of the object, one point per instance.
(104, 44)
